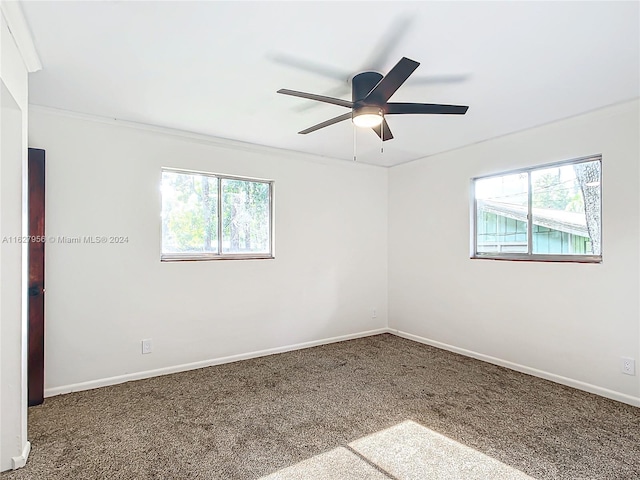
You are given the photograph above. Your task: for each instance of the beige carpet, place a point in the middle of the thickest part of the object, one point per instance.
(375, 408)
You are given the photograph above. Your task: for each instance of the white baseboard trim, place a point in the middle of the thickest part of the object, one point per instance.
(21, 460)
(587, 387)
(103, 382)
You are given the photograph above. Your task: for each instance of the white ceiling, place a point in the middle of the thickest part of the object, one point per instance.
(212, 67)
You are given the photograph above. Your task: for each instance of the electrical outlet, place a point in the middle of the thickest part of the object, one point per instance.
(628, 366)
(146, 346)
(374, 313)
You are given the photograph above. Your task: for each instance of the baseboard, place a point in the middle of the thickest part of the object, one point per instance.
(587, 387)
(21, 460)
(103, 382)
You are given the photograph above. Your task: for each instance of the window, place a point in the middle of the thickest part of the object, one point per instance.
(548, 213)
(207, 216)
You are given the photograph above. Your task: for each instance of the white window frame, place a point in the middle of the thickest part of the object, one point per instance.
(530, 256)
(219, 255)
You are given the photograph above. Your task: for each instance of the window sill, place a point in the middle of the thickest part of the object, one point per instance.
(207, 258)
(523, 257)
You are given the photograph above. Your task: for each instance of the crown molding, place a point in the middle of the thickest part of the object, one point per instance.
(202, 138)
(12, 12)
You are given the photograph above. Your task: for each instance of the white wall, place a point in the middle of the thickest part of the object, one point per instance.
(10, 278)
(13, 132)
(568, 322)
(330, 268)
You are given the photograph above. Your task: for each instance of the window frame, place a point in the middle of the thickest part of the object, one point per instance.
(220, 255)
(530, 256)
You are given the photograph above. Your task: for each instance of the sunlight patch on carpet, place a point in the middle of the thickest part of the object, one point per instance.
(409, 451)
(338, 463)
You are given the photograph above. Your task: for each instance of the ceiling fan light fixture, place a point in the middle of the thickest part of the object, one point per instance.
(367, 117)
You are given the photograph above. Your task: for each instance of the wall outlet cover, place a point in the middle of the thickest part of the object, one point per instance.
(147, 346)
(628, 366)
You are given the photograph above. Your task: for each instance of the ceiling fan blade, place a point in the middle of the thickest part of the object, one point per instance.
(431, 79)
(341, 118)
(319, 98)
(340, 91)
(302, 64)
(384, 130)
(385, 46)
(433, 108)
(392, 81)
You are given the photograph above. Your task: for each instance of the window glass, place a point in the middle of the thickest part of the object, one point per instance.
(560, 205)
(245, 217)
(208, 216)
(501, 206)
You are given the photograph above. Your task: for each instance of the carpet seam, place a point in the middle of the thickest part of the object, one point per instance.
(369, 462)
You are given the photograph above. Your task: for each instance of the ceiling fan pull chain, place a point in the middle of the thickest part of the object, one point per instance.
(355, 136)
(382, 134)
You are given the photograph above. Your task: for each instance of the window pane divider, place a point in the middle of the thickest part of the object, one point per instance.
(529, 215)
(220, 234)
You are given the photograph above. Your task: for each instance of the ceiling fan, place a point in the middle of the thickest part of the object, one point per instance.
(370, 94)
(375, 61)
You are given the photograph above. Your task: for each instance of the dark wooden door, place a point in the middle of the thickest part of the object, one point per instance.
(36, 276)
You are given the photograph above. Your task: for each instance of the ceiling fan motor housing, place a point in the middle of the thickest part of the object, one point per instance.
(363, 83)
